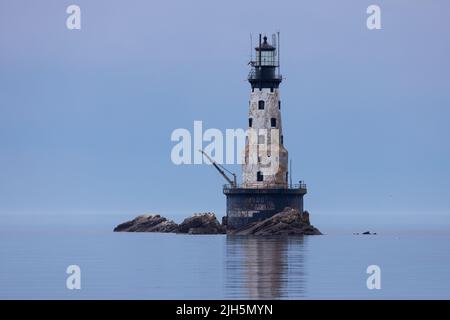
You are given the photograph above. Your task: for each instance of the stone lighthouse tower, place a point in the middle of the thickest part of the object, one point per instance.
(266, 159)
(265, 188)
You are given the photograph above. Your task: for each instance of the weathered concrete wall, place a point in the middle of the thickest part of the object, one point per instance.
(259, 155)
(246, 205)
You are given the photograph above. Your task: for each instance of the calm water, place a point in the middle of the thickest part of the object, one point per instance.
(35, 251)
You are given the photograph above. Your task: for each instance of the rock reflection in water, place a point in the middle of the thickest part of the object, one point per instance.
(265, 268)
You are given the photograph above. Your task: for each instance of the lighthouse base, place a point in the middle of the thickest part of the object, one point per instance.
(248, 205)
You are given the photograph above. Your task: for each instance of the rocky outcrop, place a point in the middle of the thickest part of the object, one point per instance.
(147, 223)
(201, 223)
(366, 233)
(287, 222)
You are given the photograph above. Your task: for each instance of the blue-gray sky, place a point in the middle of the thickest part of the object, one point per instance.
(86, 115)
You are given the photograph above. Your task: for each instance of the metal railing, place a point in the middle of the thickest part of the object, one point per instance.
(255, 64)
(252, 75)
(266, 186)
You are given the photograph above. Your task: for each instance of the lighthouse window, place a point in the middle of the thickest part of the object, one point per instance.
(279, 104)
(273, 122)
(259, 176)
(250, 122)
(261, 104)
(271, 89)
(281, 139)
(267, 58)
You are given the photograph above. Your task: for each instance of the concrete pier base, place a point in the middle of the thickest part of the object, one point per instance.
(247, 205)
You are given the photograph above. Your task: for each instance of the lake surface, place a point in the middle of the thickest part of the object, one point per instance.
(35, 251)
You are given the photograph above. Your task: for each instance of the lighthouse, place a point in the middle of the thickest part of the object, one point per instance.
(266, 159)
(265, 189)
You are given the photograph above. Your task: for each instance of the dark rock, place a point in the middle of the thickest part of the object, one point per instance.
(287, 222)
(201, 223)
(365, 233)
(305, 216)
(225, 221)
(147, 223)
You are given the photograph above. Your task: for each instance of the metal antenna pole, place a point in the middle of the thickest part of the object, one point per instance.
(259, 53)
(279, 69)
(251, 44)
(290, 172)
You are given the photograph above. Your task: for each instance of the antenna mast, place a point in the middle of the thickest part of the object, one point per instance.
(251, 45)
(290, 172)
(278, 53)
(259, 52)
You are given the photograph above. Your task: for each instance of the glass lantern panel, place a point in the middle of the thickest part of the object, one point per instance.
(267, 58)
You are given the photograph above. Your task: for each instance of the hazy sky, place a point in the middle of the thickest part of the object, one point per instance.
(86, 115)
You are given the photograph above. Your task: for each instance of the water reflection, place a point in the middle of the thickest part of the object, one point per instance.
(265, 268)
